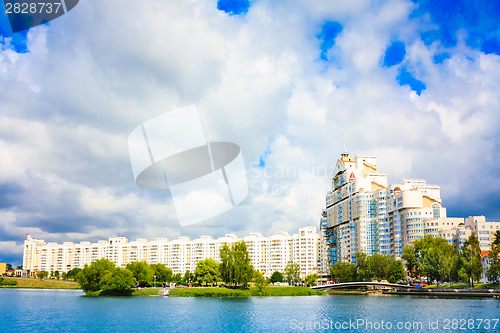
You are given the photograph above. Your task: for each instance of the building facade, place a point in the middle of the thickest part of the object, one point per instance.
(267, 254)
(363, 213)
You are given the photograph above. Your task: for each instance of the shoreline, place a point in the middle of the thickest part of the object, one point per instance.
(456, 293)
(27, 283)
(158, 292)
(214, 292)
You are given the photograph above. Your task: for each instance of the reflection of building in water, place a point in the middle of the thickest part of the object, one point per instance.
(267, 254)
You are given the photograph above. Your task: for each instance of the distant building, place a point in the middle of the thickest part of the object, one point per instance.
(485, 231)
(3, 268)
(267, 254)
(456, 230)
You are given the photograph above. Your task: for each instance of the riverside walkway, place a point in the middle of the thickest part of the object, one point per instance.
(360, 284)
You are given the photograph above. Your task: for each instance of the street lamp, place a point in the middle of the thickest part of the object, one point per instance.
(155, 281)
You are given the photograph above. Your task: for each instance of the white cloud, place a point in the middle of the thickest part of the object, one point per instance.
(10, 248)
(95, 74)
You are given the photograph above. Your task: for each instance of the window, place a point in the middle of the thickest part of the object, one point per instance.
(435, 211)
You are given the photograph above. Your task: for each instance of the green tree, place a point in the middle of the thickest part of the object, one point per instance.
(472, 267)
(243, 269)
(361, 268)
(432, 257)
(259, 281)
(42, 274)
(378, 266)
(421, 247)
(277, 277)
(73, 273)
(396, 272)
(311, 279)
(163, 273)
(448, 263)
(438, 260)
(118, 282)
(57, 274)
(430, 264)
(143, 272)
(343, 272)
(292, 273)
(493, 272)
(207, 271)
(226, 264)
(90, 276)
(188, 277)
(177, 278)
(235, 267)
(411, 262)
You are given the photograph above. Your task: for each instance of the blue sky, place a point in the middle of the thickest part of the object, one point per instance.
(291, 82)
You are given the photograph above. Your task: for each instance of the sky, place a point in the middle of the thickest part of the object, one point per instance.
(293, 83)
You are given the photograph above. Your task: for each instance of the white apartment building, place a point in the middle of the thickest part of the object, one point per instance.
(363, 213)
(267, 254)
(456, 230)
(483, 229)
(366, 214)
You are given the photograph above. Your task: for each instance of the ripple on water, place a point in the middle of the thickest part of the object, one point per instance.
(61, 310)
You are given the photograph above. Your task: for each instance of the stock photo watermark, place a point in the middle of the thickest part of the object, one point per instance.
(370, 325)
(280, 180)
(26, 14)
(204, 178)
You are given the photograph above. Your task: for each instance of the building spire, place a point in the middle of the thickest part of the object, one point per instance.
(345, 154)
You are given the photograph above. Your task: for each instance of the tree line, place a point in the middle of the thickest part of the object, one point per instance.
(430, 257)
(70, 275)
(234, 269)
(368, 268)
(437, 260)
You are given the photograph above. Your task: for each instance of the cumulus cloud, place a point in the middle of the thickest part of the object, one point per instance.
(291, 90)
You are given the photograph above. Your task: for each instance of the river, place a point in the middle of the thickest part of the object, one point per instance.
(34, 310)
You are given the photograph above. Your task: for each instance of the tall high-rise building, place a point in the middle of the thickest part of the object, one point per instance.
(364, 213)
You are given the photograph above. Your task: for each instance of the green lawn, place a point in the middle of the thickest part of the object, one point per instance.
(227, 292)
(39, 284)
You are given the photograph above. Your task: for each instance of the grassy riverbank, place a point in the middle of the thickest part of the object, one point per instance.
(40, 284)
(227, 292)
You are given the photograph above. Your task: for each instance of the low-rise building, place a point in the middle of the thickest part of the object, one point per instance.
(267, 254)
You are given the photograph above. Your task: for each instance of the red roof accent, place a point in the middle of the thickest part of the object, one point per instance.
(484, 253)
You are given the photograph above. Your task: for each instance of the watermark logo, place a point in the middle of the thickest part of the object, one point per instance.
(205, 178)
(25, 14)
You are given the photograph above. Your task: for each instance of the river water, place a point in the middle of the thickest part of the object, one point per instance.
(33, 310)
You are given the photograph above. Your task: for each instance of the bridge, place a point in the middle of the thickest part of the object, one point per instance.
(361, 284)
